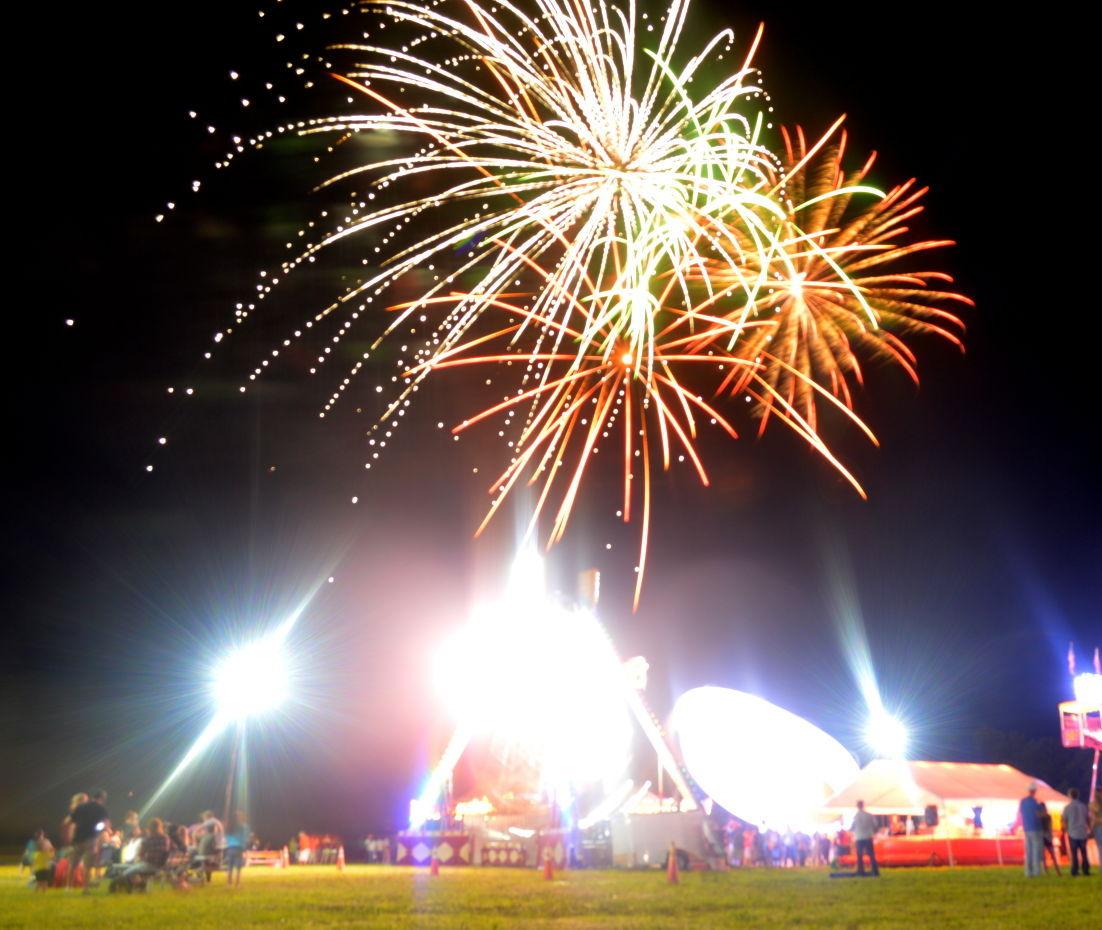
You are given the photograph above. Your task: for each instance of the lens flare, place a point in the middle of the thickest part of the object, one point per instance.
(252, 679)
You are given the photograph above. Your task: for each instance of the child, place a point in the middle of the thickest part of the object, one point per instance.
(237, 841)
(28, 855)
(42, 861)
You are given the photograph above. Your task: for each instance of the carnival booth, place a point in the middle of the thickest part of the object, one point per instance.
(944, 813)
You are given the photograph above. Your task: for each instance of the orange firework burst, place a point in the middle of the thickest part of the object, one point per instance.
(609, 394)
(844, 291)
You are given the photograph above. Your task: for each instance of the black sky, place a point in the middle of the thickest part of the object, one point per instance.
(975, 561)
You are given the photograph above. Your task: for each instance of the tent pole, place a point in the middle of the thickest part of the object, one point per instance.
(1094, 777)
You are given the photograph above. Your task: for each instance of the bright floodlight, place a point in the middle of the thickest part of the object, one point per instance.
(252, 679)
(886, 735)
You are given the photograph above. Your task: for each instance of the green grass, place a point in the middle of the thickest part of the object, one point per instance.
(484, 899)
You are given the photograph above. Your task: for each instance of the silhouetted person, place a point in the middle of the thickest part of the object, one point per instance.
(89, 819)
(864, 829)
(1096, 820)
(1077, 828)
(1046, 838)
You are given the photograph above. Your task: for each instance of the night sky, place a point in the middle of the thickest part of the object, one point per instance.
(976, 559)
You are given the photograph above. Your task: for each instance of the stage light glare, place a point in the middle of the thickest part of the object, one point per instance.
(886, 735)
(541, 679)
(251, 680)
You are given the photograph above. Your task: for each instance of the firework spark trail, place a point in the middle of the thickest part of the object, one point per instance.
(655, 395)
(579, 162)
(847, 295)
(594, 206)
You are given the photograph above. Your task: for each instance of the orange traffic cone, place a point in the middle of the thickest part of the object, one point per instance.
(548, 865)
(672, 874)
(340, 859)
(434, 865)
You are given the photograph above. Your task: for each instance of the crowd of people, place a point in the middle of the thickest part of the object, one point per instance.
(377, 850)
(748, 846)
(314, 849)
(90, 849)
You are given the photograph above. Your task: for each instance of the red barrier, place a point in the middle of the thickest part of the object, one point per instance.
(942, 850)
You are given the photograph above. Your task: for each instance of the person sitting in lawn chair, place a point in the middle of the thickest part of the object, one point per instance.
(152, 858)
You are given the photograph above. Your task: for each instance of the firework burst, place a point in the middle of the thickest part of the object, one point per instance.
(845, 291)
(576, 196)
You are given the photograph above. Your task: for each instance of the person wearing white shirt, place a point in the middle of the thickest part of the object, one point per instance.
(864, 829)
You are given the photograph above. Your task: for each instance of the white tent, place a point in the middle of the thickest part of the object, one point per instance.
(900, 787)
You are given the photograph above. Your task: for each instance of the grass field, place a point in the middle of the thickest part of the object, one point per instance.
(482, 899)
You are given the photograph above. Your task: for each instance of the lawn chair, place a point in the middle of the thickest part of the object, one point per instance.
(204, 863)
(175, 871)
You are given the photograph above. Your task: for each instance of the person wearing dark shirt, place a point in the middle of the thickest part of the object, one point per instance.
(89, 821)
(1046, 836)
(66, 834)
(177, 834)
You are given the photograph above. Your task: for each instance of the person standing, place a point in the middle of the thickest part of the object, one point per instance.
(211, 835)
(27, 860)
(1076, 826)
(1029, 812)
(89, 819)
(66, 833)
(42, 864)
(1047, 839)
(1096, 822)
(737, 842)
(237, 841)
(864, 829)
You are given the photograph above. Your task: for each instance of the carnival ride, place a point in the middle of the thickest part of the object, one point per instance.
(1081, 719)
(760, 762)
(538, 683)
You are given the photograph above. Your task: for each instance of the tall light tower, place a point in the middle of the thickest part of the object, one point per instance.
(250, 680)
